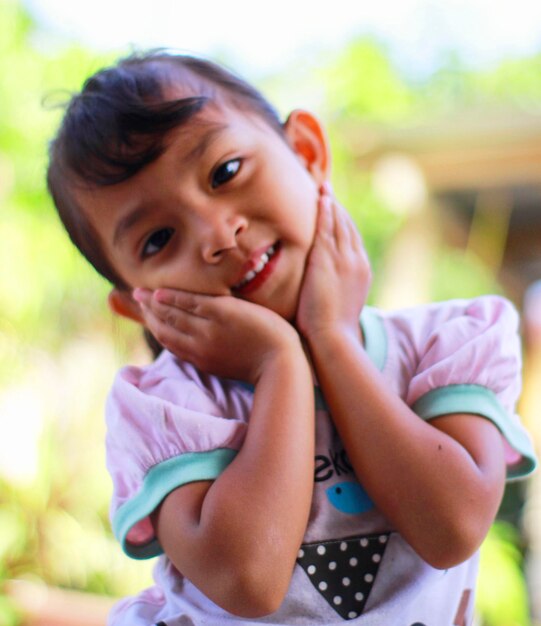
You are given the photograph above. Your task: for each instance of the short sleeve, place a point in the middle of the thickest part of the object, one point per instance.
(166, 427)
(465, 357)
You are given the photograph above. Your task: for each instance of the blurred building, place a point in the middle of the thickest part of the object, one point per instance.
(476, 178)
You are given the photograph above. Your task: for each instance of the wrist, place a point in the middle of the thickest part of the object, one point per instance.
(332, 336)
(288, 356)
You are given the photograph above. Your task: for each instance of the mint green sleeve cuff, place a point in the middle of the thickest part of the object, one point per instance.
(158, 483)
(480, 401)
(375, 336)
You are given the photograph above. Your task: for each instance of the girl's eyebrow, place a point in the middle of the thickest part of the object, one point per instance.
(202, 145)
(127, 222)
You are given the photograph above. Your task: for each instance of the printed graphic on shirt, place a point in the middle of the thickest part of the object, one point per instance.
(333, 464)
(345, 496)
(344, 571)
(349, 498)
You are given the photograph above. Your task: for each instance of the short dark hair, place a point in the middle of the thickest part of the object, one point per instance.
(119, 123)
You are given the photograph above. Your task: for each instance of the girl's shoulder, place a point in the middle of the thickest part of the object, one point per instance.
(478, 314)
(455, 342)
(173, 381)
(460, 356)
(149, 377)
(159, 401)
(417, 337)
(454, 329)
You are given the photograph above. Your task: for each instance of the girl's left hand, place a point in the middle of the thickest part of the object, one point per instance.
(337, 276)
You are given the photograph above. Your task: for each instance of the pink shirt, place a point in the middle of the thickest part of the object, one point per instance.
(169, 425)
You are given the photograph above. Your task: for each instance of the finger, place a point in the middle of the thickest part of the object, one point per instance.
(342, 230)
(184, 300)
(325, 221)
(356, 238)
(172, 334)
(179, 319)
(156, 315)
(187, 301)
(326, 188)
(343, 235)
(340, 217)
(142, 295)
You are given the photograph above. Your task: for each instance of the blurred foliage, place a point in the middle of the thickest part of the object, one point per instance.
(56, 354)
(39, 269)
(512, 84)
(53, 330)
(502, 597)
(361, 85)
(461, 275)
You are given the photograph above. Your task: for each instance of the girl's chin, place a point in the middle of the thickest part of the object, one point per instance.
(286, 310)
(280, 292)
(280, 308)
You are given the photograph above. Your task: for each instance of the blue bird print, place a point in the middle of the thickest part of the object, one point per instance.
(349, 498)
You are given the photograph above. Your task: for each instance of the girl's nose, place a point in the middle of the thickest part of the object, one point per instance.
(221, 235)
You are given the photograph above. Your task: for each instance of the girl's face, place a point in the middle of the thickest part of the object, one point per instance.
(228, 209)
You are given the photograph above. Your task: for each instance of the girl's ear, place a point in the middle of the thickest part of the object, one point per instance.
(308, 139)
(121, 302)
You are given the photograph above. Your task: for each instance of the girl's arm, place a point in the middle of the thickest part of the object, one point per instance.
(237, 538)
(438, 483)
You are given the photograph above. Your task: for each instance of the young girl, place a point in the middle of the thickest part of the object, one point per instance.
(290, 464)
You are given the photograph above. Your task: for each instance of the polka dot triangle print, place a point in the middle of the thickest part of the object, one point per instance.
(344, 571)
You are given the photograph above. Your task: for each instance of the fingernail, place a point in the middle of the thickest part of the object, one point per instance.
(140, 295)
(159, 295)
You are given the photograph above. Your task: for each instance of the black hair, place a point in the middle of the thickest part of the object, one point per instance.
(119, 123)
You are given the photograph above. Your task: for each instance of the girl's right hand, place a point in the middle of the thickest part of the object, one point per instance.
(219, 335)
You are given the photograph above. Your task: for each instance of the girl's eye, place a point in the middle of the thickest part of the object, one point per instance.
(225, 172)
(156, 242)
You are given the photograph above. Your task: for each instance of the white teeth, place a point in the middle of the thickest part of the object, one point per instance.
(263, 260)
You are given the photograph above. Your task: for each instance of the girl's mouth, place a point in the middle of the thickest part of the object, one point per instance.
(257, 275)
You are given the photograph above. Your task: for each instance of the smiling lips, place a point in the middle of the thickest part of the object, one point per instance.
(259, 271)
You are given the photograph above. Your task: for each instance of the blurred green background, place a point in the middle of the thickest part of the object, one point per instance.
(60, 347)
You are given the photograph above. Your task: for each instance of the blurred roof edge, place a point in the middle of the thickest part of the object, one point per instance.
(468, 149)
